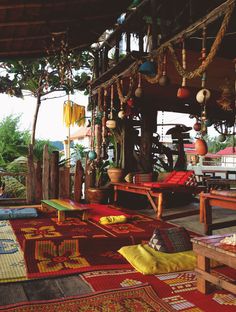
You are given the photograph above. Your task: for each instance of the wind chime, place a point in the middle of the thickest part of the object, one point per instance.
(139, 92)
(183, 92)
(111, 123)
(92, 155)
(104, 154)
(202, 97)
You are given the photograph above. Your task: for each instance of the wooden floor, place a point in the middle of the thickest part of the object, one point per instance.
(53, 288)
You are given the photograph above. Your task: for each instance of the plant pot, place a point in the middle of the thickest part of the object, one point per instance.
(98, 195)
(115, 174)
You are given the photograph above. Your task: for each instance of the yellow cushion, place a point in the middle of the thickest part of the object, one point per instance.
(113, 219)
(147, 260)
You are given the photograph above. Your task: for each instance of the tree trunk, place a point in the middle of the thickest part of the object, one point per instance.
(35, 118)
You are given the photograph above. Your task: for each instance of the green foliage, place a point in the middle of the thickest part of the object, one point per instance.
(215, 146)
(44, 75)
(79, 153)
(11, 137)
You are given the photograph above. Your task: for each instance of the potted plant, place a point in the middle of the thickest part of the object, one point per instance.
(115, 170)
(100, 192)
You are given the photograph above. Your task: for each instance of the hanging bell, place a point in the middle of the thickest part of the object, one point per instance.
(183, 93)
(203, 95)
(92, 155)
(148, 68)
(164, 81)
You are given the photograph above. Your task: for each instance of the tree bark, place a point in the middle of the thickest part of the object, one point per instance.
(35, 118)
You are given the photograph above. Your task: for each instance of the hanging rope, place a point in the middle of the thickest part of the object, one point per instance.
(214, 48)
(123, 99)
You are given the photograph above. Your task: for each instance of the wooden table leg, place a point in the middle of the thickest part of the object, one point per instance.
(160, 206)
(203, 264)
(115, 194)
(61, 216)
(85, 216)
(208, 218)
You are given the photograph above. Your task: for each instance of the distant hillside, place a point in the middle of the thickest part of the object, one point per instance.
(58, 144)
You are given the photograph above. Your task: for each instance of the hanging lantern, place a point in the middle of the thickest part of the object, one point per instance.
(92, 155)
(148, 68)
(111, 124)
(201, 147)
(197, 126)
(221, 138)
(203, 95)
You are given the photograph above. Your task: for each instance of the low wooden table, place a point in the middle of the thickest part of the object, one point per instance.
(207, 201)
(153, 193)
(64, 205)
(207, 248)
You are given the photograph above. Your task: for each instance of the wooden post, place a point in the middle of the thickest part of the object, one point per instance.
(54, 175)
(45, 178)
(64, 182)
(105, 58)
(78, 181)
(154, 24)
(148, 120)
(203, 264)
(89, 177)
(140, 42)
(30, 179)
(96, 64)
(117, 51)
(127, 42)
(38, 182)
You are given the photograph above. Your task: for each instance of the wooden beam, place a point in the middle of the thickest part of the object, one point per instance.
(40, 4)
(38, 23)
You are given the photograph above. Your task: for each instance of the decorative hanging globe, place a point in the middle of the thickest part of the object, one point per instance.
(138, 92)
(121, 114)
(197, 126)
(92, 155)
(164, 81)
(183, 93)
(201, 147)
(203, 95)
(221, 138)
(111, 124)
(148, 68)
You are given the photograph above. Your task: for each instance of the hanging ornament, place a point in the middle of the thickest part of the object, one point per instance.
(92, 155)
(121, 114)
(208, 122)
(111, 124)
(183, 92)
(197, 126)
(226, 99)
(164, 79)
(201, 147)
(203, 96)
(138, 92)
(221, 138)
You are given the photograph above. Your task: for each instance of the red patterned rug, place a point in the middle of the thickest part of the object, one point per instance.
(138, 299)
(178, 289)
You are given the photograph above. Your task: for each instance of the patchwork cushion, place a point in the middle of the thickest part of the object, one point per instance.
(146, 260)
(17, 213)
(170, 240)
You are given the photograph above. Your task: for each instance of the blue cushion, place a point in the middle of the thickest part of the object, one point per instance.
(17, 213)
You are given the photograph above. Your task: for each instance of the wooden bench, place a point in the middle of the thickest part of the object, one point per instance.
(64, 205)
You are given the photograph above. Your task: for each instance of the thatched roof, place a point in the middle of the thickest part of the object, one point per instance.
(26, 27)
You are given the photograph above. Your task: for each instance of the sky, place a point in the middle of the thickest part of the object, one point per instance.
(50, 120)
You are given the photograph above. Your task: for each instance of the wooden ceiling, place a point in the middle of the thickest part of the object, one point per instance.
(26, 27)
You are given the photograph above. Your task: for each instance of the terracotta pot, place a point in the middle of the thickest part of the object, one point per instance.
(115, 174)
(98, 195)
(201, 147)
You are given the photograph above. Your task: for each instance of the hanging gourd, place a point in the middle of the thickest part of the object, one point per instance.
(164, 79)
(183, 92)
(111, 123)
(201, 147)
(139, 92)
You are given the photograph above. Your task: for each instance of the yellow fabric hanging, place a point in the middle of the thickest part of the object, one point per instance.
(67, 113)
(73, 113)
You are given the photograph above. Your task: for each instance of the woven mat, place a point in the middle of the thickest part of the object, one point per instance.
(12, 266)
